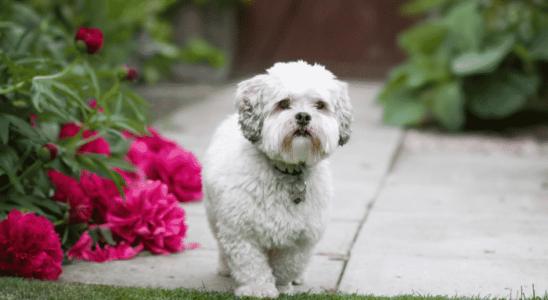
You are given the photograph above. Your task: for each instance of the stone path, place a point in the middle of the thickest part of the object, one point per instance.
(414, 212)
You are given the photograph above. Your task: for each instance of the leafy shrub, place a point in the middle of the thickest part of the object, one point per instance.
(140, 29)
(485, 58)
(46, 82)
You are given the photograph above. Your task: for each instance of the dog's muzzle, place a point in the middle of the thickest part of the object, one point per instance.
(302, 119)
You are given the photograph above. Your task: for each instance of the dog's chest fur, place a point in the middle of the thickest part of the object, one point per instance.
(245, 195)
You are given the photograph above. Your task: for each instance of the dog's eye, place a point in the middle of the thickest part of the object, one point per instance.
(320, 105)
(284, 104)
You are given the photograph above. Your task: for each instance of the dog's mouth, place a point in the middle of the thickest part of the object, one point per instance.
(302, 132)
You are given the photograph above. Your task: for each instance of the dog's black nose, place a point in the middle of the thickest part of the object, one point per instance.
(303, 118)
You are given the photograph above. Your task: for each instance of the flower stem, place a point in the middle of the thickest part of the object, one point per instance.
(12, 88)
(61, 74)
(90, 139)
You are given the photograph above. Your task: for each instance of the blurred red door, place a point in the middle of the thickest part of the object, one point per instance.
(352, 38)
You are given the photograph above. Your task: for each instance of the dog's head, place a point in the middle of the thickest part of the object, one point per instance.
(295, 113)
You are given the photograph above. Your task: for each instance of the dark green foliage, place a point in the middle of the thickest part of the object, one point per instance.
(42, 74)
(487, 58)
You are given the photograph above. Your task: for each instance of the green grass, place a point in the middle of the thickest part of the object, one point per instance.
(21, 289)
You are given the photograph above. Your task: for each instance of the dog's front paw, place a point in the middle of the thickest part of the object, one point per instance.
(257, 290)
(285, 289)
(300, 280)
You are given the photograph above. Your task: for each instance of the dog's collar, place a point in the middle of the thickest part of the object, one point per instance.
(287, 169)
(296, 179)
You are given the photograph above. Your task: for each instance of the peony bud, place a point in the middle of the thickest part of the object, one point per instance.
(93, 104)
(48, 152)
(33, 118)
(89, 40)
(127, 73)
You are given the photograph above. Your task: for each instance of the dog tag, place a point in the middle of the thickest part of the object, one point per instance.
(299, 191)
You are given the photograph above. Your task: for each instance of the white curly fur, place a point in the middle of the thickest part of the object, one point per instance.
(265, 239)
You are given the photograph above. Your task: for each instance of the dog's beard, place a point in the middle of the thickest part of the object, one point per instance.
(294, 145)
(301, 146)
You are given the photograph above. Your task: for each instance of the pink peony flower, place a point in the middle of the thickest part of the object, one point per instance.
(29, 247)
(92, 37)
(82, 250)
(162, 159)
(150, 216)
(99, 145)
(181, 171)
(101, 191)
(142, 157)
(68, 189)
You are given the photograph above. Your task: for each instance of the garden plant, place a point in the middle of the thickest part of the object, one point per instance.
(81, 174)
(484, 59)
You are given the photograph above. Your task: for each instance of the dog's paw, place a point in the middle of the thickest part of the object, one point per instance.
(300, 280)
(285, 289)
(257, 290)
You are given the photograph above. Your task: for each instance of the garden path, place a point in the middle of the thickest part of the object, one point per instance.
(414, 212)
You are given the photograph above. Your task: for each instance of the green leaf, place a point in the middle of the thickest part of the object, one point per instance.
(424, 70)
(416, 7)
(8, 161)
(31, 171)
(483, 62)
(4, 129)
(43, 203)
(94, 234)
(49, 94)
(448, 106)
(7, 207)
(30, 202)
(68, 92)
(25, 42)
(65, 235)
(71, 164)
(94, 80)
(119, 103)
(114, 90)
(495, 97)
(423, 38)
(125, 124)
(43, 182)
(135, 97)
(539, 48)
(36, 96)
(24, 128)
(403, 107)
(86, 162)
(138, 113)
(105, 232)
(465, 22)
(120, 164)
(118, 180)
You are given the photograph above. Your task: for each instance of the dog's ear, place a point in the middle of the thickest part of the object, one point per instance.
(343, 112)
(250, 107)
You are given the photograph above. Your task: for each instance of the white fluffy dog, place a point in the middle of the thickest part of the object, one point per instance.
(267, 185)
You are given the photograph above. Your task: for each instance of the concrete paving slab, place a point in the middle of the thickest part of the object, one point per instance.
(469, 222)
(400, 274)
(191, 269)
(198, 232)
